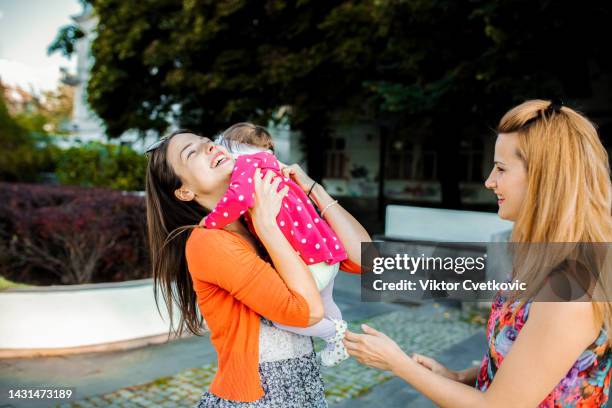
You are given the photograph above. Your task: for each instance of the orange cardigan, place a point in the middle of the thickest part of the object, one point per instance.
(234, 286)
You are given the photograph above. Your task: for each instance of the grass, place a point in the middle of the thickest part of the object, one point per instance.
(7, 284)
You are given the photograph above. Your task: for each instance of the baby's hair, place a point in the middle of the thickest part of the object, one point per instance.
(246, 133)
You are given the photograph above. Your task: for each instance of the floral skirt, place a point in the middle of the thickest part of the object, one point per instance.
(290, 383)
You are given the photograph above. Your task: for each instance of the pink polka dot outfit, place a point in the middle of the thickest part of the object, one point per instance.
(308, 234)
(312, 238)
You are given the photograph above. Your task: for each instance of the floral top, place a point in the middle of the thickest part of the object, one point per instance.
(586, 384)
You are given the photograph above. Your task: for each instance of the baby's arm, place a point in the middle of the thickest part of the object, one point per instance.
(236, 200)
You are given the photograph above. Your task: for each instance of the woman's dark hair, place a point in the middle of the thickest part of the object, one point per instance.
(167, 219)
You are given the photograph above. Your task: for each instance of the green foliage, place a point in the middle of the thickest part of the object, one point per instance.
(23, 154)
(229, 60)
(225, 61)
(449, 67)
(10, 130)
(7, 284)
(28, 150)
(474, 60)
(65, 40)
(55, 107)
(102, 165)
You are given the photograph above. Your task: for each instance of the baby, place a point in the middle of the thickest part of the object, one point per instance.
(308, 233)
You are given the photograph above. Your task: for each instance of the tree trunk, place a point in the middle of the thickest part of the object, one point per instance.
(449, 164)
(315, 134)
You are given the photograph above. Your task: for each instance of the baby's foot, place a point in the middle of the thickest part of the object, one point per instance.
(335, 352)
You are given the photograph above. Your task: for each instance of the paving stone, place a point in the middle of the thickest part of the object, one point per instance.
(428, 329)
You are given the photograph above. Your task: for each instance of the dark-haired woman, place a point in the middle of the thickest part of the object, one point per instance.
(238, 280)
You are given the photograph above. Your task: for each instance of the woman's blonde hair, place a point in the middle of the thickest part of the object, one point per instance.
(569, 193)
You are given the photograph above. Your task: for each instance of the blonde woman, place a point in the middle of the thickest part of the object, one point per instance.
(552, 178)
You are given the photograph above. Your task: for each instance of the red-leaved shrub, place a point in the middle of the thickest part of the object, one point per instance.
(68, 235)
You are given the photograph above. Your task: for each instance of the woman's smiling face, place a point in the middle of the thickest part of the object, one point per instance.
(203, 167)
(508, 179)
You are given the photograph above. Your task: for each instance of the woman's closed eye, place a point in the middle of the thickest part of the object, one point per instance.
(204, 142)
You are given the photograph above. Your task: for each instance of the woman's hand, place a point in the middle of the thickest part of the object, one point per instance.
(377, 350)
(373, 348)
(268, 199)
(433, 366)
(350, 232)
(286, 261)
(298, 175)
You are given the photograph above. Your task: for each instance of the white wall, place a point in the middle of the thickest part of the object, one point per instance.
(286, 143)
(433, 224)
(79, 315)
(362, 146)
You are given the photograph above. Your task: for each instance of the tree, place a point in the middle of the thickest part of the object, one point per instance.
(452, 68)
(56, 107)
(28, 124)
(18, 156)
(439, 69)
(65, 40)
(207, 64)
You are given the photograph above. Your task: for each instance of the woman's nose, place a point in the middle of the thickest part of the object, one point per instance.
(490, 182)
(210, 146)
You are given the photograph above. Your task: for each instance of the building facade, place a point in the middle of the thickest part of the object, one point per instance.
(85, 125)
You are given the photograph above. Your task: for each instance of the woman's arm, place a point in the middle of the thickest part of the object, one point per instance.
(348, 229)
(286, 261)
(467, 376)
(541, 356)
(227, 261)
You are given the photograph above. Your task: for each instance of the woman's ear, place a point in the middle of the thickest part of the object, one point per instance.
(184, 194)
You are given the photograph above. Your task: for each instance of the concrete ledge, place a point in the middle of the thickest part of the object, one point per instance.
(98, 348)
(84, 286)
(433, 224)
(80, 318)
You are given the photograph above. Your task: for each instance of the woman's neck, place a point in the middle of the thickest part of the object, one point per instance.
(239, 227)
(236, 227)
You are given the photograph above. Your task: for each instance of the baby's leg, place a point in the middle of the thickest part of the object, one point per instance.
(331, 329)
(326, 328)
(331, 308)
(334, 352)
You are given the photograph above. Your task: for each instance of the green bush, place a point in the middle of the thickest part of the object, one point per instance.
(96, 164)
(23, 154)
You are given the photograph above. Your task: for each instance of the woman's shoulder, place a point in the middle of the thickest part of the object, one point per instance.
(559, 316)
(213, 241)
(563, 311)
(212, 252)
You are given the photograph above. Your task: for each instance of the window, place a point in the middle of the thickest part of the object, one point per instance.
(408, 161)
(335, 158)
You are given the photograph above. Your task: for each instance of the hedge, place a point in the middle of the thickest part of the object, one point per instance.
(69, 235)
